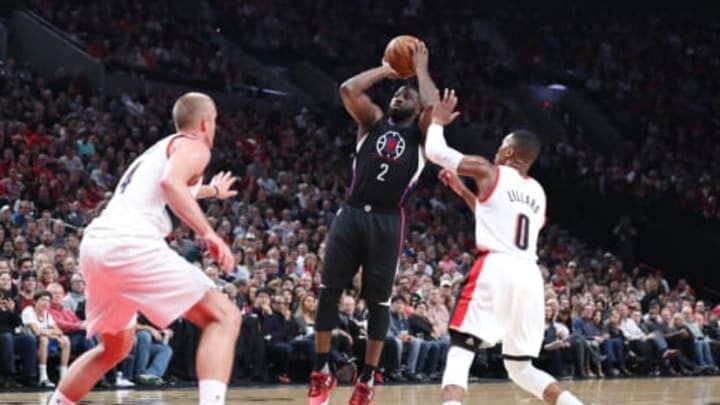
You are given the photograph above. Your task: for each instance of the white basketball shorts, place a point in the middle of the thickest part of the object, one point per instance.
(125, 275)
(503, 301)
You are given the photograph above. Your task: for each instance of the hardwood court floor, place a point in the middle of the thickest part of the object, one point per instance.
(666, 391)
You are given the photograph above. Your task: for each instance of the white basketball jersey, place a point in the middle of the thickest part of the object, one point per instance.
(508, 220)
(138, 206)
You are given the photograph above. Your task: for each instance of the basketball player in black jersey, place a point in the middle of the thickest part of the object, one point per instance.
(368, 230)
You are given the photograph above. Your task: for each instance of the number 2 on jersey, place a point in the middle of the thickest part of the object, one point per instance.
(128, 176)
(384, 167)
(521, 231)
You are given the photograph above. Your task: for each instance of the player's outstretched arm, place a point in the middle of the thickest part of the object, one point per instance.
(219, 187)
(355, 99)
(438, 151)
(429, 95)
(452, 180)
(187, 162)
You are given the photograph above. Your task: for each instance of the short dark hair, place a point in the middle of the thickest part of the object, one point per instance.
(41, 294)
(526, 143)
(407, 85)
(399, 298)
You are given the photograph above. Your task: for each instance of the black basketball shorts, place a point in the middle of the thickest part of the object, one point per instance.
(362, 236)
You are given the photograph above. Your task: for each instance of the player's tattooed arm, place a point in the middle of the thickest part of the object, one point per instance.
(356, 101)
(453, 181)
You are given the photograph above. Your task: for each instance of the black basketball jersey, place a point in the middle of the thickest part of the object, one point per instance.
(387, 164)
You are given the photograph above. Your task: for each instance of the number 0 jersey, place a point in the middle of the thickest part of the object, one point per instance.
(388, 162)
(138, 206)
(510, 217)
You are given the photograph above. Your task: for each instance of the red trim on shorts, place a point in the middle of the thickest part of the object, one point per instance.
(494, 185)
(463, 303)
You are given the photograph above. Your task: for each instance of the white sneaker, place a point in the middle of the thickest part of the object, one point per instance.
(122, 382)
(46, 384)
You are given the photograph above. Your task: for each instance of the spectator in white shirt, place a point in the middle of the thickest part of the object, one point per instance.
(38, 320)
(641, 343)
(703, 352)
(76, 295)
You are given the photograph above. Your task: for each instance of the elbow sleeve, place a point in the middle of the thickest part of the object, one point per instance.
(438, 151)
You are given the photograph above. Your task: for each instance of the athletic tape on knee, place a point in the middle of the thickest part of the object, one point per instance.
(378, 321)
(529, 378)
(457, 367)
(326, 317)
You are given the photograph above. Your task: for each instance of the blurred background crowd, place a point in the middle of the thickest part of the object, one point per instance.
(612, 309)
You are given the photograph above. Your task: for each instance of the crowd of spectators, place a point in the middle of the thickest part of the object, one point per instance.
(650, 72)
(654, 76)
(63, 150)
(343, 38)
(169, 40)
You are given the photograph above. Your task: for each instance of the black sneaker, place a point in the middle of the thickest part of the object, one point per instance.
(396, 376)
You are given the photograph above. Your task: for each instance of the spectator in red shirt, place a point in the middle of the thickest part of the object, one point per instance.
(68, 322)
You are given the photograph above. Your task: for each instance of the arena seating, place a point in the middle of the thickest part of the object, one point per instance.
(64, 147)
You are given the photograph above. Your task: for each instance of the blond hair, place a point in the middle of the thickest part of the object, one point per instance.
(190, 108)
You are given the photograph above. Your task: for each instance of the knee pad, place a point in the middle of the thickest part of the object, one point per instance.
(457, 367)
(529, 378)
(378, 321)
(326, 317)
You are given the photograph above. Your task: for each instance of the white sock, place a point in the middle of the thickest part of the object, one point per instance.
(371, 383)
(567, 398)
(452, 403)
(212, 392)
(42, 371)
(63, 371)
(59, 399)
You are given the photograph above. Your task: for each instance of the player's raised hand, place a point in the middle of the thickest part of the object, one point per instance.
(444, 112)
(223, 181)
(221, 252)
(391, 73)
(421, 57)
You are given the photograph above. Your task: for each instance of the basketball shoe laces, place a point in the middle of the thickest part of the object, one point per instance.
(362, 395)
(319, 382)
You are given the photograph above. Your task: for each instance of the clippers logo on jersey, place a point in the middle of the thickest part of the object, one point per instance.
(390, 145)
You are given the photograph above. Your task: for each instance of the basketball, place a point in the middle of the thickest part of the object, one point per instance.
(399, 54)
